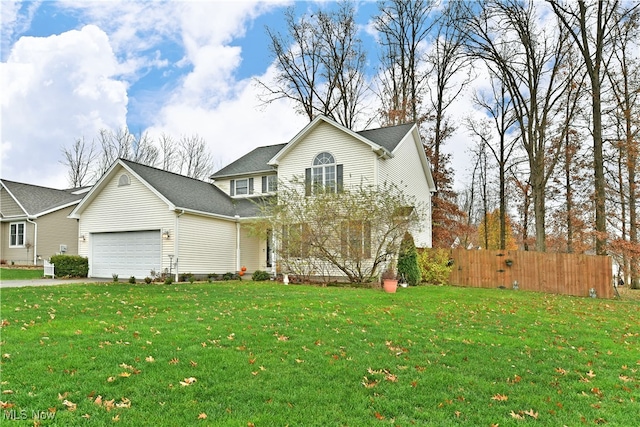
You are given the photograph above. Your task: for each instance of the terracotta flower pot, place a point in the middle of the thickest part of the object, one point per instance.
(389, 285)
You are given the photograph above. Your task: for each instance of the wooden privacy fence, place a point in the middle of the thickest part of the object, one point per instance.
(568, 274)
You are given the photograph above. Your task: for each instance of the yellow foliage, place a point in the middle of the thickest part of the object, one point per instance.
(493, 234)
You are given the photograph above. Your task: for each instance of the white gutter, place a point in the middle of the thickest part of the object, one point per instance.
(176, 244)
(35, 240)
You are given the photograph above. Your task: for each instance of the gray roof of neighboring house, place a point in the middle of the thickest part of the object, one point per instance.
(36, 199)
(252, 162)
(387, 137)
(193, 194)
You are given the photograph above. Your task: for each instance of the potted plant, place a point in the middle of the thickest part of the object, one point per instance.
(389, 280)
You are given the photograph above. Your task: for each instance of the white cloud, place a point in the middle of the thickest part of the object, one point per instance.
(56, 89)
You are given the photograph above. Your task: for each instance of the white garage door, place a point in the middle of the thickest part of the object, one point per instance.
(133, 253)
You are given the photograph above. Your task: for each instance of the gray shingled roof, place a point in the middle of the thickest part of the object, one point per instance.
(36, 200)
(257, 160)
(193, 194)
(253, 162)
(387, 137)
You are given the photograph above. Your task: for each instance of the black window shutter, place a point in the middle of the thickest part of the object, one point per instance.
(232, 187)
(339, 185)
(264, 184)
(250, 185)
(307, 182)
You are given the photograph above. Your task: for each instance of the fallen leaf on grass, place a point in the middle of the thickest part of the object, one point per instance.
(590, 374)
(174, 361)
(532, 414)
(116, 418)
(369, 383)
(86, 416)
(6, 405)
(561, 371)
(125, 374)
(70, 405)
(516, 416)
(149, 359)
(98, 400)
(202, 416)
(500, 397)
(379, 416)
(187, 381)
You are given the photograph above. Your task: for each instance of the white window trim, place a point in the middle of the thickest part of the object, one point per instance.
(24, 234)
(321, 170)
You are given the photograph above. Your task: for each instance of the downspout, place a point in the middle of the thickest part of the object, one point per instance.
(35, 240)
(176, 244)
(238, 266)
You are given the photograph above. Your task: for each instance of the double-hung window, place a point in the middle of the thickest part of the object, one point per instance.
(241, 187)
(269, 184)
(16, 234)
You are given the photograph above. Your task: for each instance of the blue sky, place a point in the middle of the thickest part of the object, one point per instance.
(71, 68)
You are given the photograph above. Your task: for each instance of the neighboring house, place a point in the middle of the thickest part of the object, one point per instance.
(34, 223)
(137, 218)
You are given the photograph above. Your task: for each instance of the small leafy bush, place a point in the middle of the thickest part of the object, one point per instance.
(115, 278)
(186, 277)
(230, 276)
(260, 276)
(132, 280)
(70, 265)
(435, 266)
(148, 280)
(408, 261)
(168, 279)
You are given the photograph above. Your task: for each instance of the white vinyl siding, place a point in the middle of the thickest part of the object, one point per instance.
(207, 245)
(405, 170)
(356, 157)
(253, 253)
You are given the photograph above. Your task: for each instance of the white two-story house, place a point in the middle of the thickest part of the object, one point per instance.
(138, 218)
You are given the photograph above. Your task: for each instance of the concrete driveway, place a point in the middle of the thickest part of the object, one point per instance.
(46, 282)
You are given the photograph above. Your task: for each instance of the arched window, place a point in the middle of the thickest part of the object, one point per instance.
(323, 172)
(123, 180)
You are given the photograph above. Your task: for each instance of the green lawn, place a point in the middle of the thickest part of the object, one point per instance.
(263, 354)
(20, 274)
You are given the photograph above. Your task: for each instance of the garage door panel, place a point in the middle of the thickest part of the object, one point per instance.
(126, 254)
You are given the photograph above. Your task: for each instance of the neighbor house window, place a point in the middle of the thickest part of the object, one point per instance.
(324, 175)
(240, 187)
(16, 234)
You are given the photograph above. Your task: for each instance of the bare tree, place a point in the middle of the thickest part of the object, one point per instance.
(623, 74)
(144, 151)
(168, 152)
(590, 25)
(403, 26)
(194, 159)
(113, 146)
(78, 159)
(320, 64)
(498, 107)
(506, 36)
